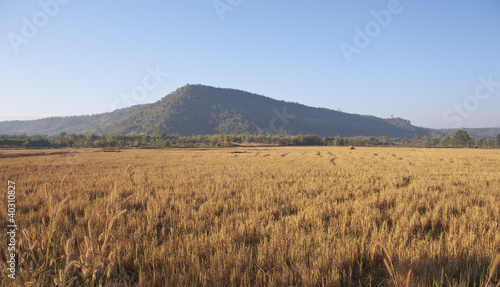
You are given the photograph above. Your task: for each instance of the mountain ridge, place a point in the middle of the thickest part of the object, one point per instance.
(200, 109)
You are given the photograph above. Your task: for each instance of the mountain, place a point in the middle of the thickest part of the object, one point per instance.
(199, 109)
(99, 123)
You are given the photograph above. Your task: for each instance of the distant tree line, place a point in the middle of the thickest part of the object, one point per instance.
(160, 139)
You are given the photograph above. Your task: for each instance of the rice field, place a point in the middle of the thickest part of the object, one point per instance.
(253, 216)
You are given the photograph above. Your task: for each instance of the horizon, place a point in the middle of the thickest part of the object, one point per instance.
(56, 116)
(370, 58)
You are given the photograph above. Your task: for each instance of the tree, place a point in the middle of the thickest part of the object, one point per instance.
(312, 140)
(159, 134)
(26, 143)
(460, 139)
(416, 138)
(338, 141)
(373, 141)
(481, 143)
(498, 140)
(445, 142)
(490, 143)
(385, 140)
(92, 137)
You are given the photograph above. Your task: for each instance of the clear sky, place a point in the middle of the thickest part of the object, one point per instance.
(436, 63)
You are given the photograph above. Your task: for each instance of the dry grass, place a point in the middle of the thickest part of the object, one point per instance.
(304, 216)
(494, 275)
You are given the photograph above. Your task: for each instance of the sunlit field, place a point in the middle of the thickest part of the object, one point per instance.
(300, 216)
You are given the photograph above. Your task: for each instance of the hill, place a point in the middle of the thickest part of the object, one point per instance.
(99, 123)
(199, 109)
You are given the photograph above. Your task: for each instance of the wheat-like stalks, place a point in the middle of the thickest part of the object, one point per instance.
(390, 266)
(94, 263)
(206, 221)
(387, 260)
(408, 279)
(63, 179)
(54, 212)
(494, 272)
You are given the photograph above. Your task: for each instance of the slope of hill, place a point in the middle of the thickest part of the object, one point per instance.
(198, 109)
(99, 123)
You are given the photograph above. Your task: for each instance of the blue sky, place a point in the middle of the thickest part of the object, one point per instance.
(436, 63)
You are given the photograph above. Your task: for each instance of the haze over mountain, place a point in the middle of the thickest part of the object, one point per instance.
(199, 109)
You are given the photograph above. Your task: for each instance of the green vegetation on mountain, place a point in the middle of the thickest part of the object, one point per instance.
(100, 123)
(197, 109)
(202, 110)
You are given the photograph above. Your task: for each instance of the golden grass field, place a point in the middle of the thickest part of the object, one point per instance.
(255, 216)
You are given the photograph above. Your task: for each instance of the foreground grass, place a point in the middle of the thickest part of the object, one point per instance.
(306, 216)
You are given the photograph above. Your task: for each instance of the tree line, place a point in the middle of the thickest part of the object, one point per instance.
(160, 139)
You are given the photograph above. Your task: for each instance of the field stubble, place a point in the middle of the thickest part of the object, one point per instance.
(306, 216)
